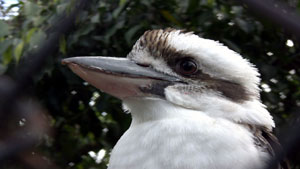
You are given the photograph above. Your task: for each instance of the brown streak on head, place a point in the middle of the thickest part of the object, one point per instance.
(156, 41)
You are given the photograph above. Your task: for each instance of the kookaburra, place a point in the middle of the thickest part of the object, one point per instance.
(195, 104)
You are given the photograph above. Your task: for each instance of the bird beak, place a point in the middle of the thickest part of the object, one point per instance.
(120, 77)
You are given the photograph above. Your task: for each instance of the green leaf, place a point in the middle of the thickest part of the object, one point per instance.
(192, 6)
(37, 21)
(129, 34)
(29, 34)
(231, 45)
(244, 25)
(4, 28)
(36, 39)
(95, 18)
(122, 2)
(31, 9)
(4, 45)
(113, 30)
(12, 6)
(18, 51)
(211, 3)
(117, 11)
(7, 56)
(86, 30)
(61, 8)
(168, 16)
(63, 45)
(2, 69)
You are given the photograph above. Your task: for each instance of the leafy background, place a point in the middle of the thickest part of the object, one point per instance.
(86, 122)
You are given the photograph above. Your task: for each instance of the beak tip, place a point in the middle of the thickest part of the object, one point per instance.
(68, 61)
(63, 62)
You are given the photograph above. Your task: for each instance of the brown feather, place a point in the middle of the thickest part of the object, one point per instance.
(267, 142)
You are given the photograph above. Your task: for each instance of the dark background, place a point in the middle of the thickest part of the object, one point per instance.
(81, 120)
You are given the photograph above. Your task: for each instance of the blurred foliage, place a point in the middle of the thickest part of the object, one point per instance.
(86, 120)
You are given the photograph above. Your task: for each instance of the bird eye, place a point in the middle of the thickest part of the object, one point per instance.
(186, 67)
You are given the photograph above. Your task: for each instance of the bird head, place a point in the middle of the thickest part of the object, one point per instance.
(183, 69)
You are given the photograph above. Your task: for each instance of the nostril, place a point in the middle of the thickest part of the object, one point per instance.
(143, 64)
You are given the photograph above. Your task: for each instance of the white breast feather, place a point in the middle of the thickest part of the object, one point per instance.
(166, 136)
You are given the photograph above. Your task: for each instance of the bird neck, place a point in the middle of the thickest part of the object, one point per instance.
(145, 109)
(151, 109)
